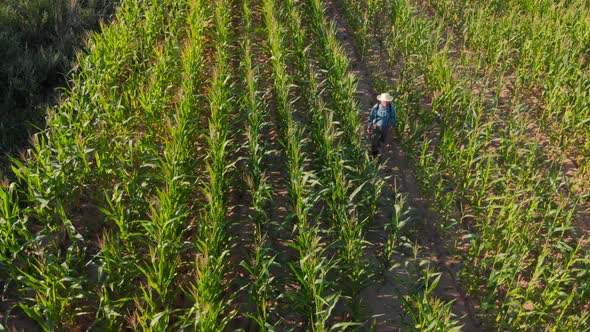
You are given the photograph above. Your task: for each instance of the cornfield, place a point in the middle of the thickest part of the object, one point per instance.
(206, 170)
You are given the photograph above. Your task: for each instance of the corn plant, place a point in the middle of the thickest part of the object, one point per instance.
(342, 85)
(60, 172)
(474, 174)
(343, 214)
(399, 220)
(312, 267)
(131, 178)
(261, 259)
(210, 310)
(427, 312)
(55, 287)
(543, 53)
(13, 228)
(296, 34)
(170, 219)
(350, 196)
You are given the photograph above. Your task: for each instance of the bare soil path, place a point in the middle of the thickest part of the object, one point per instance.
(383, 299)
(14, 320)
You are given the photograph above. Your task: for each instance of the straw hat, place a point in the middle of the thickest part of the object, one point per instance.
(385, 97)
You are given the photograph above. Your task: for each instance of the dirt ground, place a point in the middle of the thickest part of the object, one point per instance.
(15, 320)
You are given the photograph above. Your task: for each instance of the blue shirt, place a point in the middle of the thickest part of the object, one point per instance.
(382, 115)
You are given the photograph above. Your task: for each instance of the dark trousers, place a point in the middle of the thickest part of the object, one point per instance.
(377, 139)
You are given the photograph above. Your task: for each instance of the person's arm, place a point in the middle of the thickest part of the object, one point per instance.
(393, 116)
(371, 117)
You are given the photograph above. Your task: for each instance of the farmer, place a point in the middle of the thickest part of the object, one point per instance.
(381, 114)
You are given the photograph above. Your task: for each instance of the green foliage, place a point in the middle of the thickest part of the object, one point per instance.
(125, 210)
(428, 313)
(262, 280)
(493, 180)
(38, 41)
